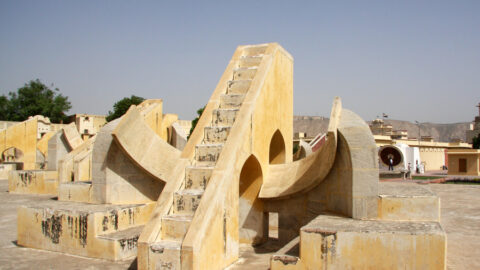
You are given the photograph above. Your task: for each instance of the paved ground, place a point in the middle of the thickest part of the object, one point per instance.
(460, 219)
(14, 257)
(460, 210)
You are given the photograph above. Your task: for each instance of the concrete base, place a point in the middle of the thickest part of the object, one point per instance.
(91, 230)
(332, 242)
(79, 191)
(5, 170)
(407, 202)
(33, 182)
(394, 174)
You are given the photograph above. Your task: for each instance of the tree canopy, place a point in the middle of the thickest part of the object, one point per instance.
(121, 107)
(195, 121)
(34, 98)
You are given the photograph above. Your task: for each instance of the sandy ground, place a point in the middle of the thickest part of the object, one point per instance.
(460, 206)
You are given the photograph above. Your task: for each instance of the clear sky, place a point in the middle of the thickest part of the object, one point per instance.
(414, 60)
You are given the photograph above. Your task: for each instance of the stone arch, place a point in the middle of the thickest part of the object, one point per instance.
(251, 219)
(12, 154)
(277, 151)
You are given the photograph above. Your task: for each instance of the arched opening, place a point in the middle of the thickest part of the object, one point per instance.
(251, 218)
(12, 154)
(277, 148)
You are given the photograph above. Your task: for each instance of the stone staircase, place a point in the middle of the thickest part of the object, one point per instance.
(175, 225)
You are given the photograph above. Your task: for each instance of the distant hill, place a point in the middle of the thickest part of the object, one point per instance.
(312, 125)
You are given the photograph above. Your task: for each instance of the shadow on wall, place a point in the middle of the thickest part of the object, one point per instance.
(251, 215)
(136, 182)
(277, 148)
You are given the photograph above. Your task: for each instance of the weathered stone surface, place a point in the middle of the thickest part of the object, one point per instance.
(92, 230)
(255, 50)
(224, 117)
(75, 191)
(407, 202)
(207, 154)
(197, 177)
(174, 227)
(24, 139)
(344, 243)
(33, 182)
(238, 86)
(232, 101)
(58, 148)
(244, 73)
(253, 61)
(186, 201)
(166, 254)
(216, 134)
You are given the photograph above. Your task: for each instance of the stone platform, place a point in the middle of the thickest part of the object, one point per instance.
(407, 202)
(92, 230)
(335, 242)
(33, 182)
(405, 235)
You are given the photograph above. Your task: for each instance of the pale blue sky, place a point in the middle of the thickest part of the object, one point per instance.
(414, 60)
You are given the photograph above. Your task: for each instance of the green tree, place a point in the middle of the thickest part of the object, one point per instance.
(476, 142)
(121, 107)
(195, 121)
(3, 107)
(34, 98)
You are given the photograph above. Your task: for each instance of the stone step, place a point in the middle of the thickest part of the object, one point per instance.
(255, 50)
(207, 154)
(238, 86)
(216, 134)
(197, 177)
(224, 117)
(167, 254)
(249, 61)
(231, 101)
(174, 227)
(186, 201)
(244, 73)
(125, 241)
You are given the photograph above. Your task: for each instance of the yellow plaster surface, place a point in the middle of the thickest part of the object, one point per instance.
(304, 174)
(143, 145)
(77, 164)
(471, 157)
(22, 136)
(33, 182)
(82, 229)
(72, 136)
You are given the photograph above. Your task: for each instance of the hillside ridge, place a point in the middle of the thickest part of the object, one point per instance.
(312, 125)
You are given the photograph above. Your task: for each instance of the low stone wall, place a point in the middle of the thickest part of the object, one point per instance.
(33, 182)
